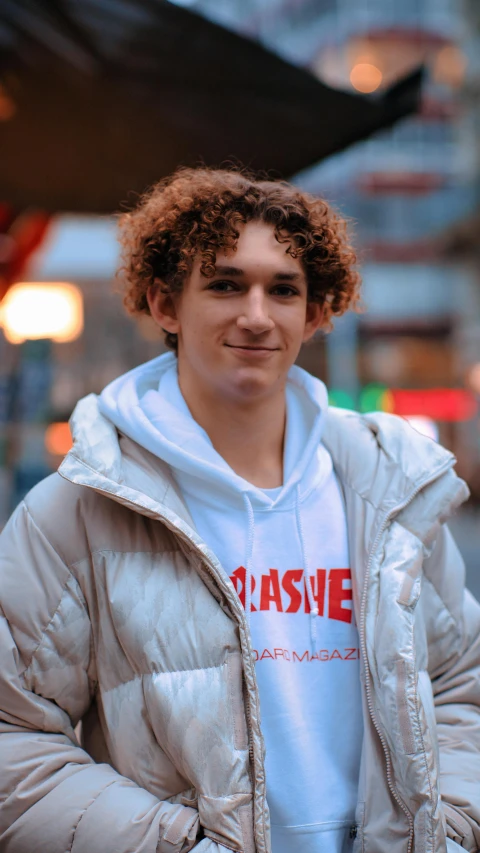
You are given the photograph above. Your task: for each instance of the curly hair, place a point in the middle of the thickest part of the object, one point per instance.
(197, 212)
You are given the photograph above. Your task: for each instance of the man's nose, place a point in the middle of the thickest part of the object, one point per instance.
(254, 316)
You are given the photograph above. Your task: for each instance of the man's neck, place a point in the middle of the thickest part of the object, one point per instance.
(249, 436)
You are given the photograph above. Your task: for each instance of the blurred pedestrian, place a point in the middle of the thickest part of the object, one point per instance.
(218, 541)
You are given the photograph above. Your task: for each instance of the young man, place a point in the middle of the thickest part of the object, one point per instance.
(222, 564)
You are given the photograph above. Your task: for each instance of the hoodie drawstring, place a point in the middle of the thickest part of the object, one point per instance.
(248, 567)
(308, 576)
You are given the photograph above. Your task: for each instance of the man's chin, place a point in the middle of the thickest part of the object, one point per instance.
(249, 382)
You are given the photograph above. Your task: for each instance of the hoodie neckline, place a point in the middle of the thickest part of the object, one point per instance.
(146, 405)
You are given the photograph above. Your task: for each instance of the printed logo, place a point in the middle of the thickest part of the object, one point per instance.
(287, 592)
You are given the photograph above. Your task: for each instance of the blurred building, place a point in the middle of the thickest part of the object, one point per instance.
(411, 192)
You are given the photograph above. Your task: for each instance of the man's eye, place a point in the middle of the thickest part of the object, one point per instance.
(222, 286)
(285, 290)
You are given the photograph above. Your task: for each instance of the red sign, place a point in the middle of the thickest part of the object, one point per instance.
(439, 404)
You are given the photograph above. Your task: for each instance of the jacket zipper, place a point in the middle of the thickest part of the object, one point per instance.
(208, 567)
(248, 713)
(363, 644)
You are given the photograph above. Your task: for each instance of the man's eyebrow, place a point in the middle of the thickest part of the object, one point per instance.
(228, 270)
(279, 276)
(287, 276)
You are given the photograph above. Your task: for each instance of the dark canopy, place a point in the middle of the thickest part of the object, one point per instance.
(110, 95)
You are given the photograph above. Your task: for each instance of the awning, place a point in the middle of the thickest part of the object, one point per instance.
(107, 97)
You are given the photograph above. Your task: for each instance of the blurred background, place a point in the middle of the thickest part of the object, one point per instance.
(372, 104)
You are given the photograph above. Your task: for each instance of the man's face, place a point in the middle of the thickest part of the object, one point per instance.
(241, 331)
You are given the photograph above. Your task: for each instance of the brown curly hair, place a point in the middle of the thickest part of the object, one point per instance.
(199, 212)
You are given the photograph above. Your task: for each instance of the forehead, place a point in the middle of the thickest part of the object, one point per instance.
(258, 249)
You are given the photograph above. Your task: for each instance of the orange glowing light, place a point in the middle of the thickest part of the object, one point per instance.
(365, 77)
(33, 310)
(58, 439)
(449, 66)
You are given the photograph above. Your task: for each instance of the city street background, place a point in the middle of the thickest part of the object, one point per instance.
(411, 192)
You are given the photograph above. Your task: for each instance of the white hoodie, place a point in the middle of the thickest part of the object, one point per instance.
(286, 552)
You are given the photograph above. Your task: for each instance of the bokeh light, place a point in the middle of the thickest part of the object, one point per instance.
(33, 310)
(58, 438)
(365, 77)
(449, 66)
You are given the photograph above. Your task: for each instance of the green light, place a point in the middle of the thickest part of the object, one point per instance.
(372, 398)
(341, 399)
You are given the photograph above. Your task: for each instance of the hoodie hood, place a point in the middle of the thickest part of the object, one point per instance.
(146, 404)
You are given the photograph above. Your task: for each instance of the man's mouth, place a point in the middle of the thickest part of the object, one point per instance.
(255, 347)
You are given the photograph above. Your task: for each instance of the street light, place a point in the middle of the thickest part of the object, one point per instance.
(34, 315)
(365, 77)
(34, 310)
(58, 439)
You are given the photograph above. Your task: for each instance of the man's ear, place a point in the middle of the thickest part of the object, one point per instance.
(163, 307)
(315, 319)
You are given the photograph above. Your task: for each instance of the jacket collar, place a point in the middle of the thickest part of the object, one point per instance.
(109, 462)
(378, 456)
(396, 470)
(381, 457)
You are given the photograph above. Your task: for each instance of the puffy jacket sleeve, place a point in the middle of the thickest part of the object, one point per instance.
(454, 654)
(53, 796)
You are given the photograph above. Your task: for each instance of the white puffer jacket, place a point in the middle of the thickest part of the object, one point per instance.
(115, 613)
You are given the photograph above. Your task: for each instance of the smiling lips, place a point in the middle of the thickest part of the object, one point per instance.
(252, 353)
(246, 348)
